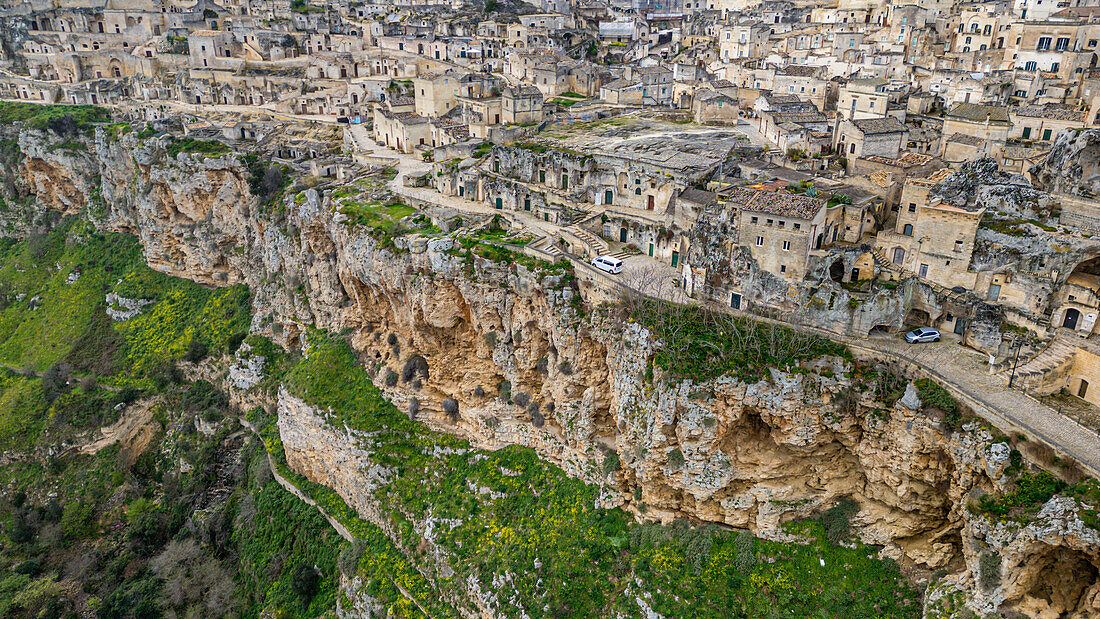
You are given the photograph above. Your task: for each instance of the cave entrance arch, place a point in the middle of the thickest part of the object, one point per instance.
(918, 317)
(879, 330)
(1069, 321)
(836, 271)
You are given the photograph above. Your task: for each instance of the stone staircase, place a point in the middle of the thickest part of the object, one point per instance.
(880, 259)
(1057, 355)
(547, 246)
(596, 245)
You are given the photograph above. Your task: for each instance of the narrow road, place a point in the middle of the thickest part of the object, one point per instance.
(961, 370)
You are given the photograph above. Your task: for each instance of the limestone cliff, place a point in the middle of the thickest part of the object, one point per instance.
(526, 367)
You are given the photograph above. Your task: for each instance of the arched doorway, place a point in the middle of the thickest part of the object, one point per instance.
(1069, 321)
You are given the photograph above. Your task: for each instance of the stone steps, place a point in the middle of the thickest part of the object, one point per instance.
(596, 244)
(1055, 355)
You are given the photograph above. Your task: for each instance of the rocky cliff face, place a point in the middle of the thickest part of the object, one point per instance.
(1073, 165)
(526, 367)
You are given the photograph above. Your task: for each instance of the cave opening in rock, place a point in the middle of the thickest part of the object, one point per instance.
(918, 318)
(836, 271)
(1058, 582)
(879, 330)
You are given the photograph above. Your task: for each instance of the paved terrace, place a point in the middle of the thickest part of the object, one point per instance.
(964, 372)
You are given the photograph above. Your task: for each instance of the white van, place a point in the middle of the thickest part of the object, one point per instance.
(607, 263)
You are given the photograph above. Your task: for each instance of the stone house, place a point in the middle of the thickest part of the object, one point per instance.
(882, 137)
(711, 107)
(656, 83)
(989, 123)
(622, 92)
(521, 105)
(863, 98)
(781, 229)
(1042, 123)
(403, 131)
(742, 41)
(931, 238)
(211, 48)
(437, 93)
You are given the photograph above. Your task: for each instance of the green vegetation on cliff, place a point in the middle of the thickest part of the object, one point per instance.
(53, 307)
(537, 540)
(62, 119)
(703, 344)
(177, 517)
(210, 148)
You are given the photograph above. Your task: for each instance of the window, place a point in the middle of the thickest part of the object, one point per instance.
(771, 221)
(912, 207)
(1030, 65)
(1062, 44)
(1043, 45)
(907, 230)
(958, 245)
(759, 241)
(781, 223)
(1046, 135)
(782, 268)
(786, 246)
(968, 40)
(755, 220)
(797, 226)
(1092, 42)
(1054, 66)
(1027, 133)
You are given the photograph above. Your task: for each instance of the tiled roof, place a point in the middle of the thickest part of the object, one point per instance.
(969, 140)
(979, 113)
(1051, 111)
(698, 196)
(796, 70)
(802, 118)
(779, 203)
(873, 126)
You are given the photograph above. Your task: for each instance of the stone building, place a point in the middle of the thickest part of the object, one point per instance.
(932, 238)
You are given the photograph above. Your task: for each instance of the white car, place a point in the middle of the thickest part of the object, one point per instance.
(609, 264)
(923, 334)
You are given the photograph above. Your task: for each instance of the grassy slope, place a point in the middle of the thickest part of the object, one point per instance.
(557, 554)
(121, 516)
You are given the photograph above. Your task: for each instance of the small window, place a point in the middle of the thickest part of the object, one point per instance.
(786, 246)
(1046, 135)
(782, 268)
(755, 220)
(759, 241)
(907, 230)
(912, 207)
(771, 221)
(798, 226)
